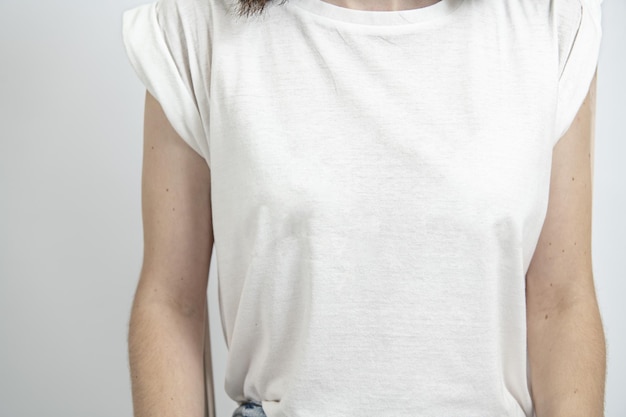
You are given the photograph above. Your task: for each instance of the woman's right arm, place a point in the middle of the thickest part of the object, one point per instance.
(167, 323)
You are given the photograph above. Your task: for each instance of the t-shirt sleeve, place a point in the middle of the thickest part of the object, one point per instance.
(158, 49)
(580, 32)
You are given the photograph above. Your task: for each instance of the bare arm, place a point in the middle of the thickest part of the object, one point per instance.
(167, 324)
(565, 336)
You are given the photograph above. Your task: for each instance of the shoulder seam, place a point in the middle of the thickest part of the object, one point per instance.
(573, 42)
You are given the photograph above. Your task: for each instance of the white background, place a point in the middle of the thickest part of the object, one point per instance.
(71, 117)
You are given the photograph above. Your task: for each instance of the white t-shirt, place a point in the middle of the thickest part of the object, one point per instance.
(379, 181)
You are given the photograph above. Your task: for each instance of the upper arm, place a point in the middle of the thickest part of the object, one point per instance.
(176, 211)
(560, 271)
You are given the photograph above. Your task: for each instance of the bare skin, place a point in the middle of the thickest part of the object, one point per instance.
(166, 336)
(382, 5)
(566, 344)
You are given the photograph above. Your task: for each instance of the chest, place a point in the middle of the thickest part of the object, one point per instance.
(437, 123)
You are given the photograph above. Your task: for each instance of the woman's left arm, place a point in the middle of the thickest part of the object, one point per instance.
(566, 344)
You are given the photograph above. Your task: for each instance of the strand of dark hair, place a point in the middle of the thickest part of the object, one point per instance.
(249, 8)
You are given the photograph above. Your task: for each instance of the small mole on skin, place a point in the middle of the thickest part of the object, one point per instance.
(546, 317)
(550, 284)
(563, 250)
(173, 209)
(575, 391)
(167, 189)
(572, 178)
(550, 243)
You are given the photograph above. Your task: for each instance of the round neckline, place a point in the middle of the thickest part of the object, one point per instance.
(378, 17)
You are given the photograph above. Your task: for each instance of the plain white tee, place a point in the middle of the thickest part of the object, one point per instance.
(379, 181)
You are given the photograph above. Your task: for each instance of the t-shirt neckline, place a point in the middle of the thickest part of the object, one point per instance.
(378, 17)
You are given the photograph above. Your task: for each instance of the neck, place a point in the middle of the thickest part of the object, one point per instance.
(382, 5)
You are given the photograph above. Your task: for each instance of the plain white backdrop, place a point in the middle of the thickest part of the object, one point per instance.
(71, 119)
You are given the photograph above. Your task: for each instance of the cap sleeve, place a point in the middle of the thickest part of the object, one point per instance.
(158, 51)
(580, 32)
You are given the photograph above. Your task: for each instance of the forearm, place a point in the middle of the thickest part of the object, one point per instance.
(166, 360)
(567, 356)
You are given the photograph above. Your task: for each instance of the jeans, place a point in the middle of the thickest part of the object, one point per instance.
(249, 409)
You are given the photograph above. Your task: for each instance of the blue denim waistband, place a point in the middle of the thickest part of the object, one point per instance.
(249, 409)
